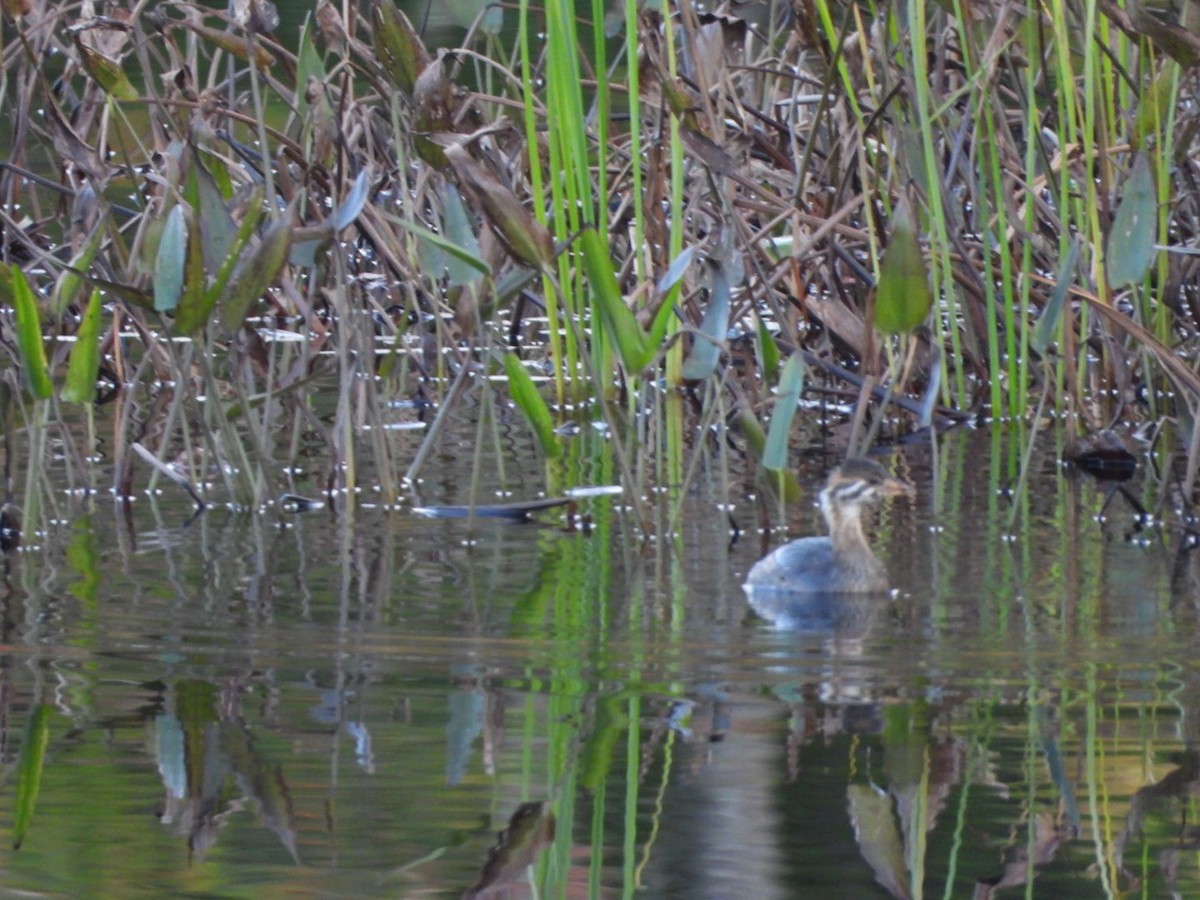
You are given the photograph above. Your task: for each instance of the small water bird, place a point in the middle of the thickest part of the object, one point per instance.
(841, 563)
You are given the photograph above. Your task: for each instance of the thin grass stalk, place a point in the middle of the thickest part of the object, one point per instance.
(940, 245)
(537, 190)
(630, 54)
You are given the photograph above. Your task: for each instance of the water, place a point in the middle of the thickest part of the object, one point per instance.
(248, 706)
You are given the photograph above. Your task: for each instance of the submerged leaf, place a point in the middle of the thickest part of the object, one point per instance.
(1131, 241)
(903, 299)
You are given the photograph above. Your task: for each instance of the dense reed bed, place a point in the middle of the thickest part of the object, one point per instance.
(668, 220)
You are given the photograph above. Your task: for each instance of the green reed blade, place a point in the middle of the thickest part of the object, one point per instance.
(31, 763)
(80, 386)
(30, 347)
(791, 384)
(525, 394)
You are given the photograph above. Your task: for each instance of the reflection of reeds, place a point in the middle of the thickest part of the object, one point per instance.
(216, 180)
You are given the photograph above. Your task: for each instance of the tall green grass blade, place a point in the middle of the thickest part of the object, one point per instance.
(1131, 241)
(620, 324)
(525, 394)
(791, 384)
(30, 347)
(84, 366)
(903, 299)
(170, 261)
(31, 763)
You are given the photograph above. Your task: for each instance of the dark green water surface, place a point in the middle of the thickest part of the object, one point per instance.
(324, 705)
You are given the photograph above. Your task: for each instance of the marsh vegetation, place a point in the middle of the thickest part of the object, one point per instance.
(676, 250)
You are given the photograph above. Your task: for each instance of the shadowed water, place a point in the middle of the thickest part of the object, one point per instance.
(257, 705)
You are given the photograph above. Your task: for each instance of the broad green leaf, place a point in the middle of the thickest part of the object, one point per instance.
(1047, 324)
(1131, 241)
(791, 384)
(516, 227)
(353, 202)
(677, 269)
(190, 318)
(31, 349)
(106, 72)
(170, 260)
(441, 242)
(768, 352)
(1154, 104)
(620, 323)
(525, 394)
(903, 298)
(457, 225)
(308, 66)
(85, 356)
(70, 282)
(714, 328)
(255, 272)
(397, 45)
(218, 231)
(233, 43)
(782, 481)
(31, 762)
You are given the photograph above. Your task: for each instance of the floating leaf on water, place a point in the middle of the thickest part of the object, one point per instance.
(518, 510)
(525, 394)
(1131, 241)
(903, 297)
(84, 366)
(170, 260)
(30, 347)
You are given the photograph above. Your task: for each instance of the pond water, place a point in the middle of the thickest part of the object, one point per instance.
(355, 706)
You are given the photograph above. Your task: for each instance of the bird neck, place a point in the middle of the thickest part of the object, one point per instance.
(850, 547)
